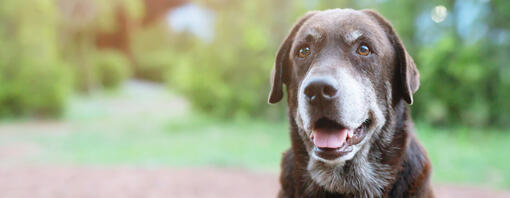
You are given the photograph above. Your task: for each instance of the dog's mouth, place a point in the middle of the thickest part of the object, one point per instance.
(333, 140)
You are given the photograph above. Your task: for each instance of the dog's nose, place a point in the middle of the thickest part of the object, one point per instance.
(321, 87)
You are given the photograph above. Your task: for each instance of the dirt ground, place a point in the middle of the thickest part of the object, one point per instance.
(127, 182)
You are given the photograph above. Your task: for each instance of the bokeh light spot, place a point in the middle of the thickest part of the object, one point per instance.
(439, 13)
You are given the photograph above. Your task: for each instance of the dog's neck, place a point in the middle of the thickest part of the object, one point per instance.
(369, 174)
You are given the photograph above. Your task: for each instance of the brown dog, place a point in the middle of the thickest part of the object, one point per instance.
(348, 79)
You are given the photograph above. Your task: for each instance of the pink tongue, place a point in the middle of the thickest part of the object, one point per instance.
(329, 138)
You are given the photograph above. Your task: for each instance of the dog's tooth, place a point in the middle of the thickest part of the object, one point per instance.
(350, 133)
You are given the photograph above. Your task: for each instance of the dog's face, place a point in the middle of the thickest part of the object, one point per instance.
(344, 70)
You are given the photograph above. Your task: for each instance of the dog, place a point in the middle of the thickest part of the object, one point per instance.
(349, 83)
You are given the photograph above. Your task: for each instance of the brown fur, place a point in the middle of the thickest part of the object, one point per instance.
(393, 153)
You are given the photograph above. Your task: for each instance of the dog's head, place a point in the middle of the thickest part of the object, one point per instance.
(343, 69)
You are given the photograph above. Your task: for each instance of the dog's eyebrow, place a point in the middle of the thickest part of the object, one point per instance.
(352, 36)
(313, 34)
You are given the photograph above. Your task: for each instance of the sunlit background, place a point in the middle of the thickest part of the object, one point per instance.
(168, 98)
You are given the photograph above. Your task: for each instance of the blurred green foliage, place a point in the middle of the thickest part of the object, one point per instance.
(153, 53)
(80, 23)
(112, 68)
(465, 78)
(463, 60)
(33, 78)
(41, 48)
(228, 76)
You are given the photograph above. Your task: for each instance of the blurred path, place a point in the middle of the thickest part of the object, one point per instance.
(135, 100)
(127, 182)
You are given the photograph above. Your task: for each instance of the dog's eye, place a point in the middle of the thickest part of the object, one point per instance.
(304, 52)
(363, 50)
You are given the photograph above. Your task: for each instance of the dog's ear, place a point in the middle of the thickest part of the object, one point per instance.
(409, 75)
(280, 73)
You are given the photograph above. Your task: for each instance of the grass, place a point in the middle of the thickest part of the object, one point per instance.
(459, 155)
(197, 142)
(95, 134)
(468, 156)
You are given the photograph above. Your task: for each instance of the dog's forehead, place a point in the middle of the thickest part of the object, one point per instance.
(348, 23)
